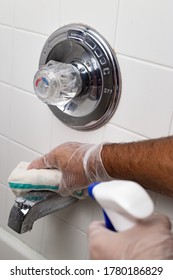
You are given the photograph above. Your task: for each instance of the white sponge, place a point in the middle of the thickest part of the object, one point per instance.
(23, 180)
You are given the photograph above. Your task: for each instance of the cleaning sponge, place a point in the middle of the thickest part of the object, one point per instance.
(23, 180)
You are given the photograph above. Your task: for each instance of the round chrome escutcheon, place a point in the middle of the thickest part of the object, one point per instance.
(86, 49)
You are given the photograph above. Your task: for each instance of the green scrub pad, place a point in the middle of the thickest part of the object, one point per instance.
(23, 180)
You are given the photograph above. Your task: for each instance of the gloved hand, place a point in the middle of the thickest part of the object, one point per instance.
(148, 240)
(79, 163)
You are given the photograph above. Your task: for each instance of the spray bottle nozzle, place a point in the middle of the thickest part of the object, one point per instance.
(124, 203)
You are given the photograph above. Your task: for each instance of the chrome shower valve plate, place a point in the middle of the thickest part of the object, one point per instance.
(91, 54)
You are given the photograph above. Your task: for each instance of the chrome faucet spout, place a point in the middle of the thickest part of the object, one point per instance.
(33, 206)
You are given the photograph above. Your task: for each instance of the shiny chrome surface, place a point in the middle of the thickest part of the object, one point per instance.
(57, 83)
(33, 206)
(86, 49)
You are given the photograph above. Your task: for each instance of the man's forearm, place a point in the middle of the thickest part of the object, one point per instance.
(150, 163)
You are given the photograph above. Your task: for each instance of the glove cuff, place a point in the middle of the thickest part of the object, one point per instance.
(93, 165)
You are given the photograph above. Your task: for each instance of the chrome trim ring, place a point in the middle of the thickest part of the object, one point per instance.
(86, 49)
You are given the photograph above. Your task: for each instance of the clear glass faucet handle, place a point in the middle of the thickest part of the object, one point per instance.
(56, 82)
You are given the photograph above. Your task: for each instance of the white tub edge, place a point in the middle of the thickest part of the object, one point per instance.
(17, 249)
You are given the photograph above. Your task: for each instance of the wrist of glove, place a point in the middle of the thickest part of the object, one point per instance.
(80, 164)
(93, 165)
(82, 168)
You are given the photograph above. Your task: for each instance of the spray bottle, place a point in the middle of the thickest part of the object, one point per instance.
(124, 203)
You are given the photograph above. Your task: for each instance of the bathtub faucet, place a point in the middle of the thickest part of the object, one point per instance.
(33, 206)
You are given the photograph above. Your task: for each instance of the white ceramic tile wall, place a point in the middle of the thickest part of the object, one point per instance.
(37, 15)
(164, 205)
(4, 108)
(7, 12)
(95, 136)
(3, 194)
(26, 51)
(171, 128)
(4, 152)
(145, 30)
(26, 110)
(6, 34)
(141, 33)
(67, 242)
(150, 87)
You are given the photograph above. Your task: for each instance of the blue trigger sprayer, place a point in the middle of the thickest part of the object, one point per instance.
(124, 203)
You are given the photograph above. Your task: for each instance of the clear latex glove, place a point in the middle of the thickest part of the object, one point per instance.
(149, 240)
(79, 163)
